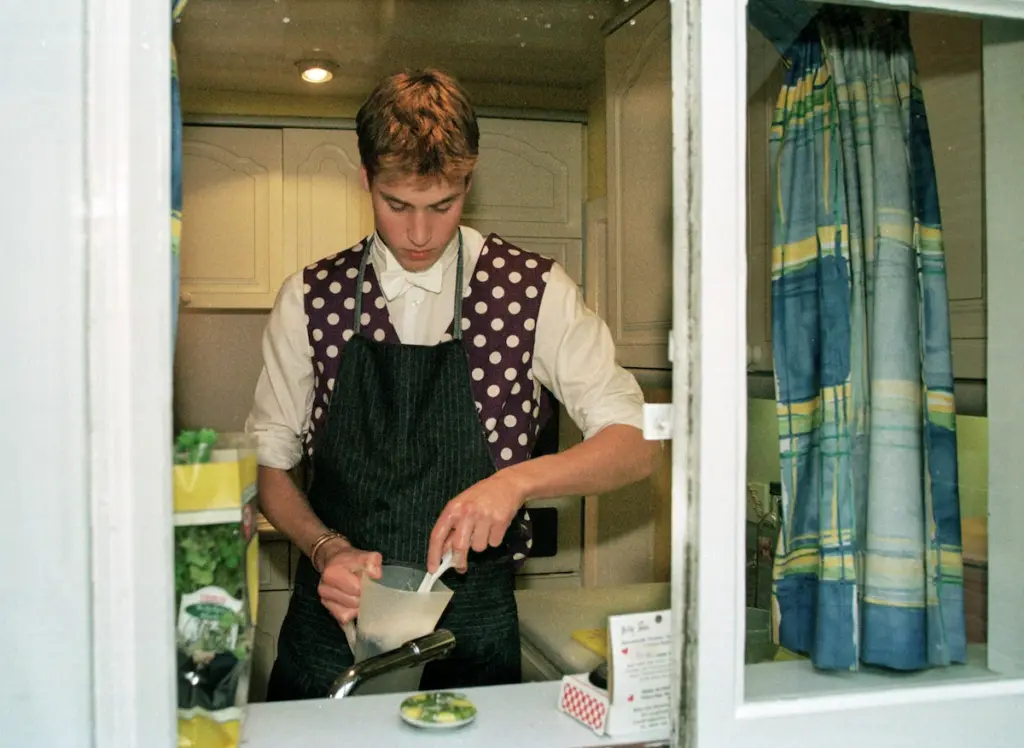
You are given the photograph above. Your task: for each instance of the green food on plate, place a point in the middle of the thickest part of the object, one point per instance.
(439, 707)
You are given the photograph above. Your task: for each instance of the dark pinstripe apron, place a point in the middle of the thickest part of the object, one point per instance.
(402, 437)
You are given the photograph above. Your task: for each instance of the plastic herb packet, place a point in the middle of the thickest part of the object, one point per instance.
(216, 584)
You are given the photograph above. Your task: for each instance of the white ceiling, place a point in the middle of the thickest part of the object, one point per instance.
(252, 45)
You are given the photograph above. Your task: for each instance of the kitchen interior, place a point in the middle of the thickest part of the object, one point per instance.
(270, 182)
(574, 99)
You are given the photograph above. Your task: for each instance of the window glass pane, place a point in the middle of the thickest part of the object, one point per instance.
(878, 211)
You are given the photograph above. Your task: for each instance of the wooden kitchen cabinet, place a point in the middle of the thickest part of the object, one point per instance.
(639, 247)
(528, 181)
(528, 184)
(326, 208)
(275, 565)
(260, 204)
(272, 609)
(231, 250)
(276, 573)
(528, 187)
(765, 77)
(948, 52)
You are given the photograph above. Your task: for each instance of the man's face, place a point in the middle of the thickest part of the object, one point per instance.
(416, 217)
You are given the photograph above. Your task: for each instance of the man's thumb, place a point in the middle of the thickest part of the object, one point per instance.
(372, 564)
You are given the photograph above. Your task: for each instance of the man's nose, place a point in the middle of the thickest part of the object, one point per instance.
(419, 230)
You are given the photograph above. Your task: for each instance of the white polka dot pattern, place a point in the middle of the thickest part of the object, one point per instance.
(501, 351)
(499, 324)
(329, 288)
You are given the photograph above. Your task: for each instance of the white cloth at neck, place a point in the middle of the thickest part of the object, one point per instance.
(396, 280)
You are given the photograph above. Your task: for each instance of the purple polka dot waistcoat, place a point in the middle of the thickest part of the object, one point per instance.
(499, 322)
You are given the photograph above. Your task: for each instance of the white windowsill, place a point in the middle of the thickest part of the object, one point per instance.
(777, 687)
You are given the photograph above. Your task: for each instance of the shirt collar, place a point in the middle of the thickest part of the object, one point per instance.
(396, 280)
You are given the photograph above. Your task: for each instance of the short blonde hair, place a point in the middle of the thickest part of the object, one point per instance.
(418, 124)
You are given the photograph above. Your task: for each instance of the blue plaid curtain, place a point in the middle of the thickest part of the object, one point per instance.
(869, 567)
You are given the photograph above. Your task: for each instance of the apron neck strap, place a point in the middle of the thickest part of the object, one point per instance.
(457, 318)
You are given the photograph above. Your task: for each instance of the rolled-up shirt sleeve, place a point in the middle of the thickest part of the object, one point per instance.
(284, 392)
(574, 357)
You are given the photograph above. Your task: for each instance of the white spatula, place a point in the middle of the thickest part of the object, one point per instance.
(428, 581)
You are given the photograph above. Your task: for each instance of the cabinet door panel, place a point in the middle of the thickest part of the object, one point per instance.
(529, 179)
(272, 609)
(639, 94)
(231, 230)
(326, 208)
(765, 76)
(566, 252)
(274, 565)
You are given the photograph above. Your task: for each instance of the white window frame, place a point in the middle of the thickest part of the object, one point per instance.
(130, 397)
(709, 463)
(128, 180)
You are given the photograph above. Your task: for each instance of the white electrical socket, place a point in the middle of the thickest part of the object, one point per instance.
(757, 500)
(658, 421)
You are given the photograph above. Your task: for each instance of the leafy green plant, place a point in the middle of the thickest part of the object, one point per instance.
(194, 447)
(209, 555)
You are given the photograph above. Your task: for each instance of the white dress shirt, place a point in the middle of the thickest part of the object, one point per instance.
(574, 356)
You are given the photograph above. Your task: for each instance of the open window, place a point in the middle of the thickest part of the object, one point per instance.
(742, 422)
(722, 699)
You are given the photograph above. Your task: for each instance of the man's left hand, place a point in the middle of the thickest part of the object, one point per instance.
(476, 518)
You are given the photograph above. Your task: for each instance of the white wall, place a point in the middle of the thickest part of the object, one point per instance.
(1004, 163)
(45, 691)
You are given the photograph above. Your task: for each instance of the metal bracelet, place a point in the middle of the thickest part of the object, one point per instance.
(319, 543)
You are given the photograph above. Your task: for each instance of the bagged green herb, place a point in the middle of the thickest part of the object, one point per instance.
(216, 582)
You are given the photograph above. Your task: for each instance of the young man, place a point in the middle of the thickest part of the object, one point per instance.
(409, 373)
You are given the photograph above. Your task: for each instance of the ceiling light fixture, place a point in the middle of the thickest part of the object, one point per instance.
(316, 71)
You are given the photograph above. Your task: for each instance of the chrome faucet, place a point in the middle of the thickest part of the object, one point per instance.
(433, 646)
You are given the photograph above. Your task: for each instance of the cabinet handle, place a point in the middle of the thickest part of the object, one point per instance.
(186, 299)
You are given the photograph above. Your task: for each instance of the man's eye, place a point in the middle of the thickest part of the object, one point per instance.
(442, 208)
(397, 207)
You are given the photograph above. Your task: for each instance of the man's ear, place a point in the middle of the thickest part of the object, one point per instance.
(469, 182)
(365, 177)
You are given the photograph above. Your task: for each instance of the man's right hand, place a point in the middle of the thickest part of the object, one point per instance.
(341, 581)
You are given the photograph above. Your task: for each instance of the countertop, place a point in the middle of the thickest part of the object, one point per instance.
(512, 716)
(547, 618)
